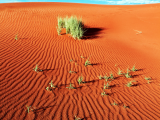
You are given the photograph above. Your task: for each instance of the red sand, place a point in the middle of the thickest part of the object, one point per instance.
(112, 39)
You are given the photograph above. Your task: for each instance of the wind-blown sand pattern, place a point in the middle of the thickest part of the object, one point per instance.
(117, 37)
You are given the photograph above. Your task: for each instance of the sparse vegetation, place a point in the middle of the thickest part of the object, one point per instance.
(72, 25)
(70, 86)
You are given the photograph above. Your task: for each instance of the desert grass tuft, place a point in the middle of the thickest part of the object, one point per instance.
(73, 26)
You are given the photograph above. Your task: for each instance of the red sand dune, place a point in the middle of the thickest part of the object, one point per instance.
(112, 41)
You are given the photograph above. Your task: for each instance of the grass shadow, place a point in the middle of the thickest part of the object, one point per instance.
(92, 33)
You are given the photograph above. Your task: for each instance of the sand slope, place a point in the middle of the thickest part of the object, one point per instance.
(117, 37)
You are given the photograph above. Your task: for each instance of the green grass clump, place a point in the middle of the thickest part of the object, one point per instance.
(72, 25)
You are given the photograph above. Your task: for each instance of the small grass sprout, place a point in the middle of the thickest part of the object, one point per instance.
(111, 76)
(82, 56)
(106, 86)
(80, 78)
(29, 108)
(106, 78)
(127, 75)
(16, 37)
(48, 88)
(119, 72)
(125, 106)
(52, 85)
(70, 60)
(103, 93)
(71, 71)
(100, 77)
(133, 69)
(70, 86)
(77, 118)
(36, 69)
(87, 62)
(114, 103)
(148, 79)
(129, 84)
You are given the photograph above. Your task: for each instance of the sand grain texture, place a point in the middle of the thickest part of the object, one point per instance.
(117, 37)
